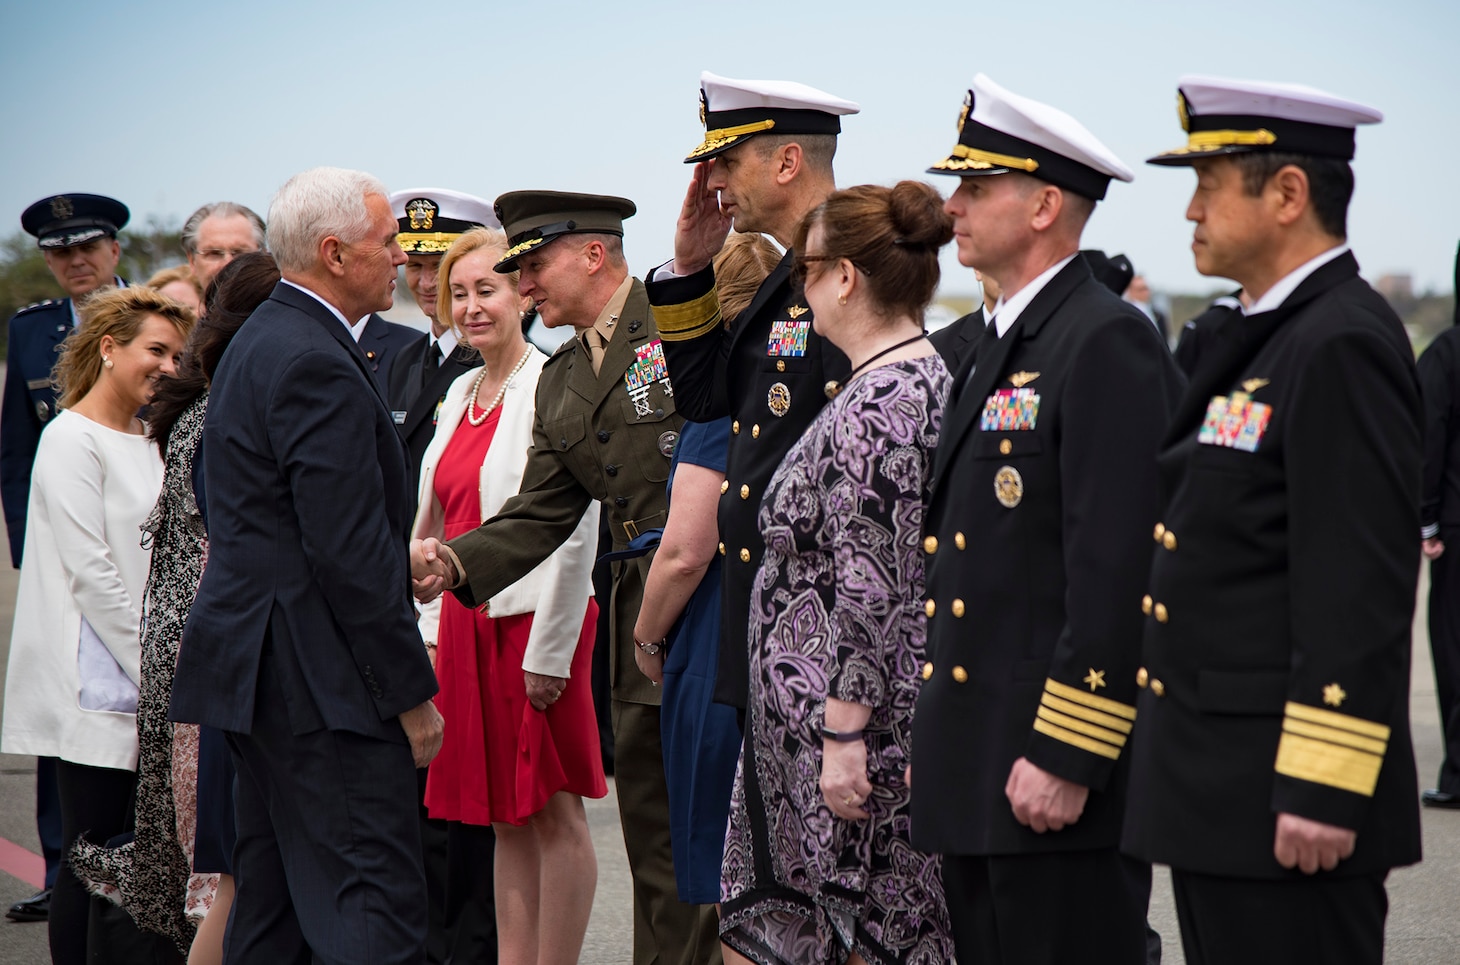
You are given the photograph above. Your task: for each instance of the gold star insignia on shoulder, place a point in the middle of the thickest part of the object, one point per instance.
(1021, 379)
(1095, 678)
(1334, 695)
(796, 311)
(1252, 385)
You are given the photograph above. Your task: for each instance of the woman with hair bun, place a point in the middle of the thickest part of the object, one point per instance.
(818, 863)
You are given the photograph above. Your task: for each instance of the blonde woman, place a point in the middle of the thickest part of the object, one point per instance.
(71, 685)
(516, 755)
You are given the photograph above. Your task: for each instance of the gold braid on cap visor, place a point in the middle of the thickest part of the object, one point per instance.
(1198, 141)
(425, 242)
(718, 138)
(973, 158)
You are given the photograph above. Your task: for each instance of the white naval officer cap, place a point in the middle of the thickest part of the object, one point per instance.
(1226, 116)
(1000, 131)
(732, 110)
(430, 219)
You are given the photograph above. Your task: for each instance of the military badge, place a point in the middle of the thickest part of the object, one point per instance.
(788, 337)
(963, 112)
(667, 442)
(649, 367)
(1010, 410)
(1235, 422)
(796, 311)
(61, 207)
(422, 212)
(779, 399)
(1008, 487)
(42, 411)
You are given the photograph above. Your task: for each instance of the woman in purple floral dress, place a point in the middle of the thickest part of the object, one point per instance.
(818, 865)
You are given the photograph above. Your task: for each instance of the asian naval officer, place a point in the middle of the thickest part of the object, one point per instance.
(1044, 493)
(77, 235)
(605, 430)
(764, 163)
(1272, 766)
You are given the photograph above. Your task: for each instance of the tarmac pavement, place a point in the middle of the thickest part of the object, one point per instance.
(1423, 929)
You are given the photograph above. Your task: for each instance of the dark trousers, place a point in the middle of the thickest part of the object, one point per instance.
(470, 911)
(1336, 921)
(97, 802)
(1043, 909)
(434, 852)
(328, 861)
(48, 816)
(1445, 649)
(667, 931)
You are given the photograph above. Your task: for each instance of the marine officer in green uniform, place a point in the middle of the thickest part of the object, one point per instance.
(1271, 760)
(765, 162)
(605, 430)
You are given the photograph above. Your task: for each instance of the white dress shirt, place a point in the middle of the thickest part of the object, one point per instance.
(1289, 283)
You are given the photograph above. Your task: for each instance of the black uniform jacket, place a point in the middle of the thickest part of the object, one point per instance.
(1197, 333)
(590, 441)
(768, 371)
(1037, 533)
(1439, 379)
(1277, 645)
(383, 342)
(957, 341)
(35, 333)
(413, 407)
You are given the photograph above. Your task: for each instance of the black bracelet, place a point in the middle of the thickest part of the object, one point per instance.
(844, 736)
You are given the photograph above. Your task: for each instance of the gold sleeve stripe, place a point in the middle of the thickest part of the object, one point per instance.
(687, 320)
(1084, 713)
(1078, 740)
(1334, 736)
(1329, 764)
(1079, 726)
(1329, 718)
(1079, 696)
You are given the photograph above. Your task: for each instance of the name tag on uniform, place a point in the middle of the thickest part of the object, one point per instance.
(1235, 422)
(33, 384)
(398, 416)
(788, 336)
(1010, 410)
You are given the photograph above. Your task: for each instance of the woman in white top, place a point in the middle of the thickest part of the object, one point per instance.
(520, 749)
(71, 684)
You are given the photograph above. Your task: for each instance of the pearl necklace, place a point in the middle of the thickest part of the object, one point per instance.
(476, 387)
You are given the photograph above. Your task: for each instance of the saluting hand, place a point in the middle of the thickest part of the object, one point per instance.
(700, 232)
(1308, 845)
(1041, 801)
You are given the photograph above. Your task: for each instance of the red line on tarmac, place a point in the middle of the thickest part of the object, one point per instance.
(22, 863)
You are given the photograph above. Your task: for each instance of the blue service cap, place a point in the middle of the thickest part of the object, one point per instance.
(67, 220)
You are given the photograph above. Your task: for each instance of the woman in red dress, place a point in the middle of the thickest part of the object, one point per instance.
(521, 742)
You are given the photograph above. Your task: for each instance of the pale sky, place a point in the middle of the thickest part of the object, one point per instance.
(167, 106)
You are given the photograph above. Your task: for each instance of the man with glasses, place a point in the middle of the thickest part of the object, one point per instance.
(217, 233)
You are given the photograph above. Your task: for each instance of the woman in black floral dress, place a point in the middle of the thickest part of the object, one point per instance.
(818, 865)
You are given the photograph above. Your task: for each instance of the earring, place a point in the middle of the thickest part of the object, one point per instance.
(107, 362)
(841, 299)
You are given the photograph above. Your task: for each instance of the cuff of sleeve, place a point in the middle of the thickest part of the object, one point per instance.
(1095, 724)
(1430, 531)
(450, 554)
(1332, 749)
(665, 272)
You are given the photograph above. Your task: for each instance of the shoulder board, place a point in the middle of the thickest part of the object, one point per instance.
(40, 304)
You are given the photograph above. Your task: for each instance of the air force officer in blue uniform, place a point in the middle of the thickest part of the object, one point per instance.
(302, 643)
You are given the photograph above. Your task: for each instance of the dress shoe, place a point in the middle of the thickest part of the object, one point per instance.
(1435, 798)
(35, 908)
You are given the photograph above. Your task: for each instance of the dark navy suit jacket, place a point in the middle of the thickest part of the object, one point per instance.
(308, 511)
(36, 332)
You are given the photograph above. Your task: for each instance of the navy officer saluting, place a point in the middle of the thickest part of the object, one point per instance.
(765, 162)
(1043, 497)
(1272, 766)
